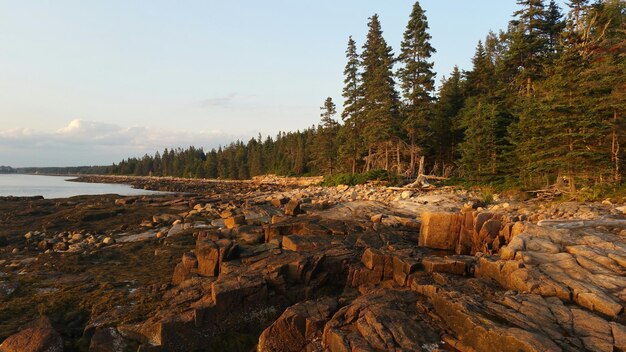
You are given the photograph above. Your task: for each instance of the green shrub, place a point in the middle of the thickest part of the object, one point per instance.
(600, 192)
(357, 179)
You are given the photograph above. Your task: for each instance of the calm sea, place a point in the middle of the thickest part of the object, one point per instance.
(59, 187)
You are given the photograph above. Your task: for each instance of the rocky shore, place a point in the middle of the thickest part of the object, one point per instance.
(284, 265)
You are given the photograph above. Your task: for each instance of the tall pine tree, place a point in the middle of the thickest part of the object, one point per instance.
(325, 148)
(446, 132)
(528, 43)
(380, 103)
(352, 114)
(416, 80)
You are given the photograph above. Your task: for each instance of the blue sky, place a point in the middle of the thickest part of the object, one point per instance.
(91, 82)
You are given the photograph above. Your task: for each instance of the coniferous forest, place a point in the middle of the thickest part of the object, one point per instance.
(543, 104)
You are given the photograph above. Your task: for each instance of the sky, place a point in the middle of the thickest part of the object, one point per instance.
(93, 82)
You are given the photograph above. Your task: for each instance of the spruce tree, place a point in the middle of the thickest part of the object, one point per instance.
(572, 131)
(603, 81)
(416, 79)
(482, 121)
(553, 28)
(325, 148)
(380, 103)
(352, 114)
(447, 133)
(528, 43)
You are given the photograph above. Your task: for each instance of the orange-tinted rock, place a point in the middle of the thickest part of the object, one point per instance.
(39, 337)
(372, 258)
(464, 245)
(293, 207)
(458, 265)
(298, 243)
(483, 240)
(234, 221)
(440, 230)
(208, 255)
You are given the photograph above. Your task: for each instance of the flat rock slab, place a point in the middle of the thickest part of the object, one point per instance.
(300, 243)
(139, 237)
(383, 320)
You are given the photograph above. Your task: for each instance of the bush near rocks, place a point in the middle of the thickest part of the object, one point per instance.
(357, 179)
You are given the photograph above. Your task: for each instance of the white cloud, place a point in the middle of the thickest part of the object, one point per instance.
(221, 102)
(83, 142)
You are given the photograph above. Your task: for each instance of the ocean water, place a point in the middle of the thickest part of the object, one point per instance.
(59, 187)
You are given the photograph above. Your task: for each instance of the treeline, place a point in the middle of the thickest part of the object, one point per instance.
(7, 170)
(65, 170)
(286, 154)
(543, 103)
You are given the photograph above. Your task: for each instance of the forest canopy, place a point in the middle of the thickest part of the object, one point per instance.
(544, 102)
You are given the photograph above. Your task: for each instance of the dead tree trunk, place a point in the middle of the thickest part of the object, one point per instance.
(387, 156)
(615, 150)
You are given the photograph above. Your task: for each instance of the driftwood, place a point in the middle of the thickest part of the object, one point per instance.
(422, 179)
(575, 224)
(550, 192)
(405, 188)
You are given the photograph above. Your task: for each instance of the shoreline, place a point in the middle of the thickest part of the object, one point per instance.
(196, 185)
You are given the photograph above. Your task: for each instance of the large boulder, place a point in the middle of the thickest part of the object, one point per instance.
(37, 337)
(208, 255)
(299, 326)
(382, 320)
(440, 230)
(107, 340)
(293, 207)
